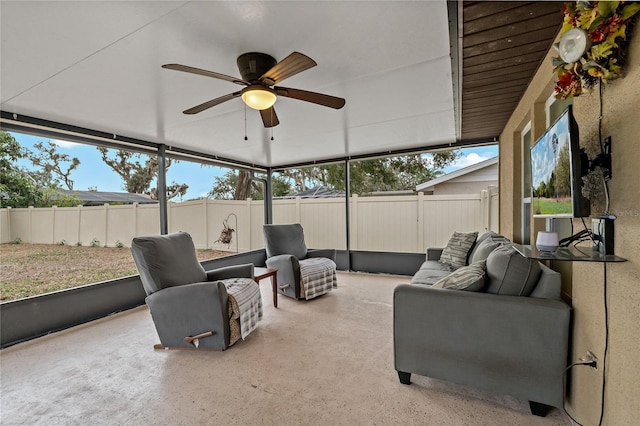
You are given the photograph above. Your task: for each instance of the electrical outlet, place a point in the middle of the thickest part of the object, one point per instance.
(591, 359)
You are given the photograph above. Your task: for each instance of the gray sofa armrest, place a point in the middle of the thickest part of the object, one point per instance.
(189, 310)
(433, 253)
(288, 273)
(506, 344)
(328, 253)
(233, 271)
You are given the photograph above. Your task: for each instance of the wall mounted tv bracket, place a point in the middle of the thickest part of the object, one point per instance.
(602, 160)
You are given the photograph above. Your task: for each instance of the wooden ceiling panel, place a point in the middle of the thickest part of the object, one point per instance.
(509, 16)
(511, 41)
(495, 88)
(480, 79)
(477, 56)
(503, 44)
(529, 58)
(493, 99)
(512, 30)
(477, 90)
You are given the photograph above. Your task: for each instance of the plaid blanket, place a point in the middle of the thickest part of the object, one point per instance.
(318, 276)
(245, 307)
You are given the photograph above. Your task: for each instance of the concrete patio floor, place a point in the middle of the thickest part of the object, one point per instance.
(326, 361)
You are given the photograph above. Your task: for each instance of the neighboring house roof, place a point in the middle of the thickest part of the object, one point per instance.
(458, 173)
(98, 198)
(316, 192)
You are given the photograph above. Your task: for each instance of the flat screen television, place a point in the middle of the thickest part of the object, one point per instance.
(557, 170)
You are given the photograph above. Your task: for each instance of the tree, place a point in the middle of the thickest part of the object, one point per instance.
(137, 176)
(238, 185)
(563, 172)
(383, 174)
(367, 176)
(55, 168)
(18, 187)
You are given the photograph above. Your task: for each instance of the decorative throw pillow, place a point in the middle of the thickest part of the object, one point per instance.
(510, 273)
(457, 249)
(482, 250)
(469, 278)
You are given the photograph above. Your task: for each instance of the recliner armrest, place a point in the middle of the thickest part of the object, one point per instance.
(288, 271)
(233, 271)
(434, 253)
(328, 253)
(189, 310)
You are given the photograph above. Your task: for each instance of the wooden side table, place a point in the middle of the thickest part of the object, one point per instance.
(273, 273)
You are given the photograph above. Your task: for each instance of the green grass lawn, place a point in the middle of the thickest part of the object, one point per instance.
(32, 269)
(552, 206)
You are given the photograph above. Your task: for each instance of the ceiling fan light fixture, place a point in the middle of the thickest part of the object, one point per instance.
(258, 97)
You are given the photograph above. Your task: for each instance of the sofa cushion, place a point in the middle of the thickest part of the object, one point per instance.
(469, 278)
(489, 235)
(482, 250)
(436, 266)
(510, 273)
(430, 272)
(457, 249)
(484, 236)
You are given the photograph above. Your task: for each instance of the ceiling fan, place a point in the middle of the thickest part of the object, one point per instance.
(260, 74)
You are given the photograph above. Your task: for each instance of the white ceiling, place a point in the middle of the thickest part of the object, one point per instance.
(97, 65)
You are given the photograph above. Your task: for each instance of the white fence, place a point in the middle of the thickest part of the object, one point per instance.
(383, 223)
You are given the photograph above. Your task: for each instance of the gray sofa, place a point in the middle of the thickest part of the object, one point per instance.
(508, 335)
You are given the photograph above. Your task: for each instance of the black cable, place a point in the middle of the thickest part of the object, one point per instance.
(588, 231)
(606, 344)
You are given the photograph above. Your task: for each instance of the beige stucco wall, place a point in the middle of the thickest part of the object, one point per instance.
(621, 121)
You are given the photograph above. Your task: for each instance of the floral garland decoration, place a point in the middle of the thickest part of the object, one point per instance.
(607, 24)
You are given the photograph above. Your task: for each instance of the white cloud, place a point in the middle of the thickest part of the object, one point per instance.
(64, 144)
(470, 159)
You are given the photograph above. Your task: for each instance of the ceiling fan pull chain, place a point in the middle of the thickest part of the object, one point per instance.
(245, 123)
(272, 122)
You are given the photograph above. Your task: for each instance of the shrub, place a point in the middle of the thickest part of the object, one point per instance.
(61, 243)
(79, 244)
(119, 244)
(95, 243)
(17, 240)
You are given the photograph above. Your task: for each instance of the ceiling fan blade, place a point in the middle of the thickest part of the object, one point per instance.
(206, 105)
(289, 66)
(269, 117)
(192, 70)
(313, 97)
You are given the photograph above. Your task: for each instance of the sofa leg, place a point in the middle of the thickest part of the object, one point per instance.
(405, 378)
(539, 409)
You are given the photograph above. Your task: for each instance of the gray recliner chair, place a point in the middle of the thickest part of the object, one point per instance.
(190, 306)
(302, 273)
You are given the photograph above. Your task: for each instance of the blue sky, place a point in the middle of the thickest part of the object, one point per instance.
(543, 157)
(93, 172)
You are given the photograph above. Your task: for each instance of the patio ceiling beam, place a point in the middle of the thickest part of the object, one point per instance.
(399, 152)
(55, 130)
(51, 129)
